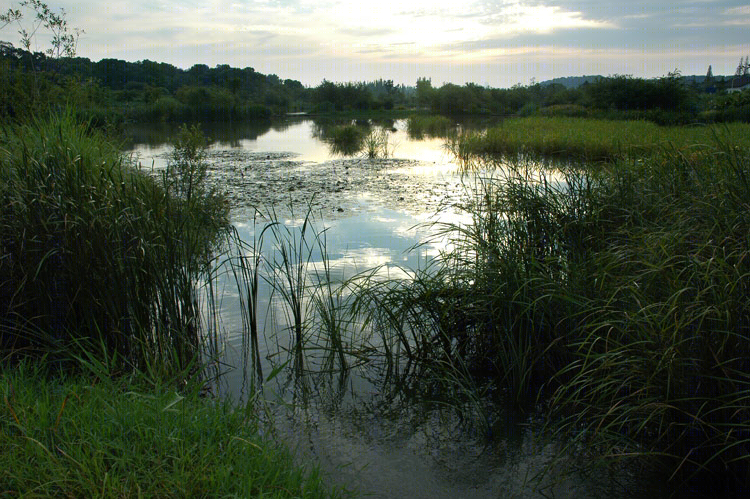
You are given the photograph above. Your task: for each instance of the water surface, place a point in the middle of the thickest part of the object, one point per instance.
(385, 433)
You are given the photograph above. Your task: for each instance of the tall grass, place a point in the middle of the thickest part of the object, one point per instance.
(617, 296)
(592, 139)
(307, 312)
(376, 145)
(96, 254)
(344, 140)
(359, 138)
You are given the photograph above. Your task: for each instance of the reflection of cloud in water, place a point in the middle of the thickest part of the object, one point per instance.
(382, 219)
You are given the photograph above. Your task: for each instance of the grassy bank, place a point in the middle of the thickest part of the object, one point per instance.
(95, 437)
(105, 275)
(595, 139)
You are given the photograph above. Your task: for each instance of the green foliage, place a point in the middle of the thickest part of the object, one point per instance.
(96, 254)
(418, 126)
(424, 92)
(628, 93)
(567, 110)
(186, 169)
(63, 42)
(452, 99)
(76, 437)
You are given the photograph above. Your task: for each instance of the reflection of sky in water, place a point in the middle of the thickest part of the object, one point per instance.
(382, 237)
(388, 448)
(298, 138)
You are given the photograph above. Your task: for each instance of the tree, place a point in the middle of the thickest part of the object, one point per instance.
(709, 75)
(63, 43)
(424, 91)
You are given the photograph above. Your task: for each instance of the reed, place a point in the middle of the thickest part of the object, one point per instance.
(619, 296)
(376, 145)
(96, 254)
(616, 295)
(344, 140)
(592, 139)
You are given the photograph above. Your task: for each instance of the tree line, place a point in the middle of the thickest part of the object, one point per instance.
(113, 90)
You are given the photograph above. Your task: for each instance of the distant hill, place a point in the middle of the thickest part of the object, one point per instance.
(572, 81)
(577, 81)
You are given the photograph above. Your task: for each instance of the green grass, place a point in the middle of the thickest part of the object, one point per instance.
(417, 126)
(594, 139)
(96, 255)
(97, 437)
(617, 295)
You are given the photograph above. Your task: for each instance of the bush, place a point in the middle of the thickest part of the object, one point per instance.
(432, 126)
(567, 110)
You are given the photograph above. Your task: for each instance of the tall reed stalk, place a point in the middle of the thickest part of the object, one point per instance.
(96, 253)
(617, 296)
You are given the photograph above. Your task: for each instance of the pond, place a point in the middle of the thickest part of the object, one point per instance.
(380, 429)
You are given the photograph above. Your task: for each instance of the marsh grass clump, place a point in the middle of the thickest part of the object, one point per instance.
(96, 255)
(358, 138)
(376, 144)
(345, 140)
(617, 296)
(418, 126)
(307, 315)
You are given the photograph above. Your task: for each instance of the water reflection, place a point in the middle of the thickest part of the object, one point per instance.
(384, 425)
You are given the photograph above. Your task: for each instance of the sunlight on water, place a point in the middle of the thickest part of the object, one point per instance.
(387, 433)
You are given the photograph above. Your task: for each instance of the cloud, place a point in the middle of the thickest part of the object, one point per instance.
(366, 31)
(474, 40)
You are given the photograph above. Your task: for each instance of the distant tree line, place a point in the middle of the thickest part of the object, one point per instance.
(113, 90)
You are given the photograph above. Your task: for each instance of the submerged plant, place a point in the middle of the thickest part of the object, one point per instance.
(344, 140)
(375, 144)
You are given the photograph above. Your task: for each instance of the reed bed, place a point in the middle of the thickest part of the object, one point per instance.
(96, 254)
(593, 139)
(616, 296)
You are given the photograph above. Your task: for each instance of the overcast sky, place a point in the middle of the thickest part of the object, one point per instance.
(489, 42)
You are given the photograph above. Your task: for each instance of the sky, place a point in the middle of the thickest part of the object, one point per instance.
(497, 43)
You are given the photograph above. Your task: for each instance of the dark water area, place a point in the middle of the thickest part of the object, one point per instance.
(380, 429)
